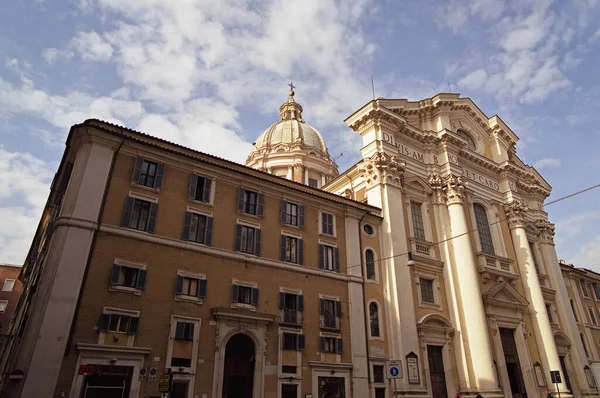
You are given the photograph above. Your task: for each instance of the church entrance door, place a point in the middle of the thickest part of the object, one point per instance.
(513, 368)
(436, 371)
(238, 372)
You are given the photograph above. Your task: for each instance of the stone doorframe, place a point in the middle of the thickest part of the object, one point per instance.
(563, 346)
(436, 329)
(254, 325)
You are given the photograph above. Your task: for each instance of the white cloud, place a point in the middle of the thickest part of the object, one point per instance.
(547, 163)
(588, 256)
(474, 80)
(91, 46)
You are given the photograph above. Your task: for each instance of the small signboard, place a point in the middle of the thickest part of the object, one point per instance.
(85, 370)
(412, 368)
(143, 374)
(555, 376)
(394, 369)
(164, 382)
(152, 374)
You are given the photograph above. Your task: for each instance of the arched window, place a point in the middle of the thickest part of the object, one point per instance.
(574, 312)
(467, 137)
(370, 261)
(483, 229)
(374, 319)
(584, 346)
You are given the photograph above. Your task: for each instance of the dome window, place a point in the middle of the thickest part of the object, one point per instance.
(368, 230)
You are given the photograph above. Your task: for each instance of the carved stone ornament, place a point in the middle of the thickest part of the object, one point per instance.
(546, 231)
(515, 213)
(382, 168)
(454, 189)
(437, 186)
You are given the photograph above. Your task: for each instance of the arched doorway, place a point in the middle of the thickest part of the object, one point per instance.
(238, 372)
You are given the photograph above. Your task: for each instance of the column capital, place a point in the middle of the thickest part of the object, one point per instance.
(515, 213)
(382, 168)
(437, 186)
(454, 189)
(546, 231)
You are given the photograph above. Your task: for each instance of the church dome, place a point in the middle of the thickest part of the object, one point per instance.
(289, 132)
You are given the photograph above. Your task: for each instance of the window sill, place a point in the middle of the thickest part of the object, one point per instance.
(327, 235)
(337, 328)
(432, 306)
(190, 299)
(243, 213)
(291, 226)
(371, 338)
(125, 289)
(200, 202)
(145, 187)
(243, 306)
(373, 281)
(291, 324)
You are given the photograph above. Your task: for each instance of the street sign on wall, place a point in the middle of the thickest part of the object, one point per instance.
(394, 369)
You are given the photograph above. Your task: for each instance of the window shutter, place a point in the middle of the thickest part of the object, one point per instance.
(322, 306)
(300, 251)
(179, 284)
(152, 218)
(206, 190)
(339, 346)
(137, 170)
(322, 344)
(208, 232)
(103, 323)
(238, 237)
(300, 302)
(241, 198)
(321, 256)
(323, 223)
(190, 332)
(300, 342)
(202, 284)
(260, 208)
(114, 275)
(283, 211)
(301, 216)
(160, 173)
(282, 251)
(134, 325)
(192, 186)
(257, 242)
(180, 330)
(254, 296)
(281, 300)
(338, 308)
(336, 259)
(234, 293)
(141, 279)
(187, 223)
(127, 211)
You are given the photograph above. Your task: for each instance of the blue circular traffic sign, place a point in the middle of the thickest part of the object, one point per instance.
(394, 371)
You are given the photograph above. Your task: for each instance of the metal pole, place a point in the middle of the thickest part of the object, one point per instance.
(395, 390)
(557, 390)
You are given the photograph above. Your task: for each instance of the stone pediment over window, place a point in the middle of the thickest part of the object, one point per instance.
(417, 184)
(505, 295)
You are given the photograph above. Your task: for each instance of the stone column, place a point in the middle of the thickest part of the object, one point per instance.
(299, 172)
(515, 214)
(472, 312)
(290, 173)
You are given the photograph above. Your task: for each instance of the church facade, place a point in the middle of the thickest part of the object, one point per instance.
(287, 279)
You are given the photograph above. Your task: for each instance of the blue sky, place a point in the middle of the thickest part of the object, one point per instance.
(211, 75)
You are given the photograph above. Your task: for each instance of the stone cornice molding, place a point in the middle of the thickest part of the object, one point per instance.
(546, 229)
(382, 168)
(515, 213)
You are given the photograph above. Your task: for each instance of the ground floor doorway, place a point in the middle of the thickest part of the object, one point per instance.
(107, 381)
(437, 374)
(332, 387)
(563, 367)
(238, 372)
(513, 367)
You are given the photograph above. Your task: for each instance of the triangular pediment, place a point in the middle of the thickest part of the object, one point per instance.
(418, 184)
(505, 295)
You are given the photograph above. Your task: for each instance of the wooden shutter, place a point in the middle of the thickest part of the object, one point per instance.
(187, 223)
(152, 218)
(134, 325)
(336, 259)
(281, 300)
(179, 330)
(257, 242)
(322, 344)
(300, 250)
(300, 342)
(301, 216)
(192, 186)
(202, 285)
(127, 211)
(234, 293)
(339, 346)
(254, 296)
(209, 231)
(179, 284)
(260, 208)
(322, 306)
(321, 256)
(114, 275)
(238, 237)
(206, 190)
(103, 322)
(141, 279)
(137, 170)
(160, 174)
(338, 308)
(241, 199)
(282, 249)
(300, 302)
(283, 211)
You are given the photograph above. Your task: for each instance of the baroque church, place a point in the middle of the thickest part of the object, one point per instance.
(426, 269)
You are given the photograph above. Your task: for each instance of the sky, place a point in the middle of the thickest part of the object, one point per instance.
(211, 75)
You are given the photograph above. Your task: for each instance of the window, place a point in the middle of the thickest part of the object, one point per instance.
(379, 392)
(332, 344)
(467, 137)
(251, 202)
(179, 389)
(549, 312)
(292, 249)
(483, 229)
(331, 311)
(130, 277)
(370, 261)
(368, 230)
(596, 290)
(417, 219)
(192, 287)
(244, 295)
(584, 345)
(584, 288)
(9, 284)
(197, 228)
(139, 214)
(184, 331)
(292, 213)
(291, 305)
(3, 305)
(327, 223)
(149, 174)
(329, 258)
(292, 341)
(289, 369)
(118, 323)
(592, 316)
(289, 390)
(181, 362)
(573, 309)
(247, 239)
(534, 257)
(313, 183)
(199, 188)
(427, 295)
(374, 320)
(378, 374)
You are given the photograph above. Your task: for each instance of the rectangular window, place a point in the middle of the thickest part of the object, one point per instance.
(184, 331)
(139, 214)
(191, 287)
(247, 239)
(483, 229)
(199, 188)
(417, 219)
(9, 284)
(427, 295)
(378, 374)
(329, 258)
(291, 213)
(592, 316)
(128, 277)
(584, 288)
(292, 341)
(148, 173)
(327, 223)
(291, 305)
(292, 249)
(118, 323)
(289, 391)
(197, 228)
(313, 183)
(244, 295)
(3, 305)
(534, 257)
(549, 312)
(289, 369)
(596, 291)
(331, 311)
(181, 362)
(251, 202)
(332, 344)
